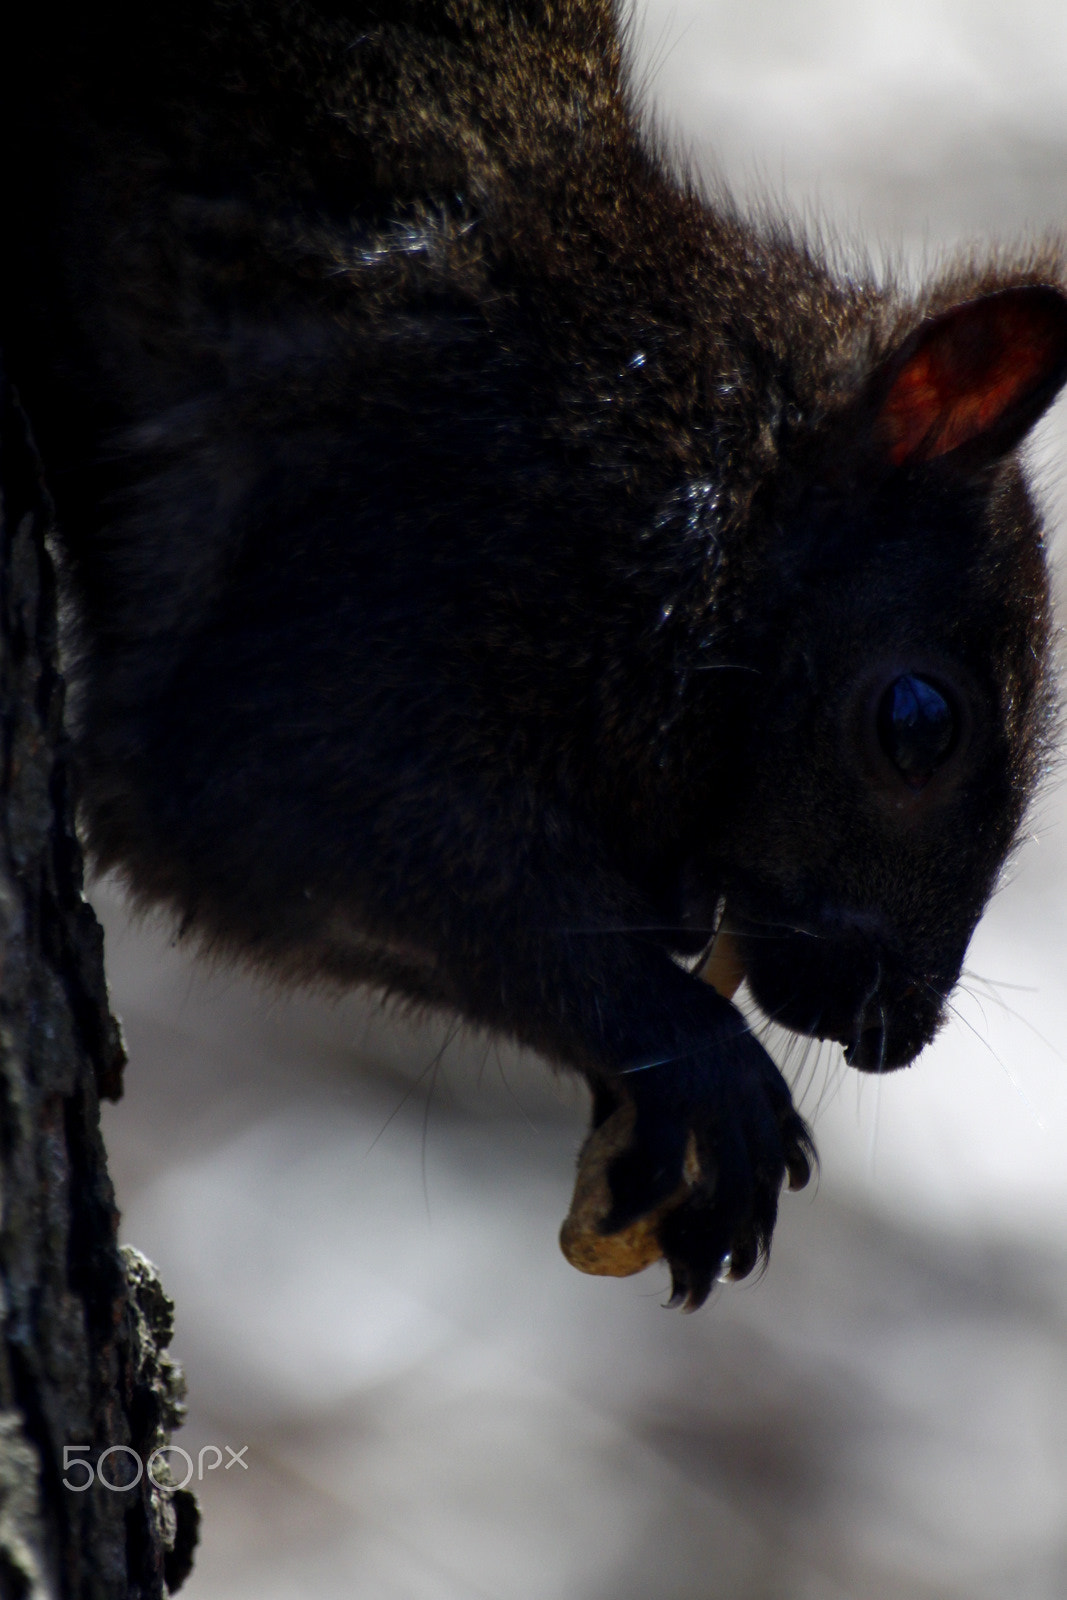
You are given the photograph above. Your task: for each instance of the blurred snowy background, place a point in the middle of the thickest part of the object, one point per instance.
(358, 1220)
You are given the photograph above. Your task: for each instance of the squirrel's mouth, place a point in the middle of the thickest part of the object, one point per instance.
(836, 985)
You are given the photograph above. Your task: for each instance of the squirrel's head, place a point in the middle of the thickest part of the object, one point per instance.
(900, 702)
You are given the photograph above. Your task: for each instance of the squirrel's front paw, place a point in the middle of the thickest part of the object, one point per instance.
(690, 1177)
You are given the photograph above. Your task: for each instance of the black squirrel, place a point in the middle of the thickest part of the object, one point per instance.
(493, 565)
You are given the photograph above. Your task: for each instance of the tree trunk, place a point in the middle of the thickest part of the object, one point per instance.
(83, 1325)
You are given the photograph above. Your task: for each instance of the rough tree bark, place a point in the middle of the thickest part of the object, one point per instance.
(83, 1326)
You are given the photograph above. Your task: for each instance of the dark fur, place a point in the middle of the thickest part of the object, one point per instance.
(481, 547)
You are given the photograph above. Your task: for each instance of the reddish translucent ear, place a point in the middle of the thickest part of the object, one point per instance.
(977, 376)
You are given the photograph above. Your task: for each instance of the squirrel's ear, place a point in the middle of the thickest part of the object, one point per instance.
(974, 379)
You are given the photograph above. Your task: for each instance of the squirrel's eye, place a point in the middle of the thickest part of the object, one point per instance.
(917, 727)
